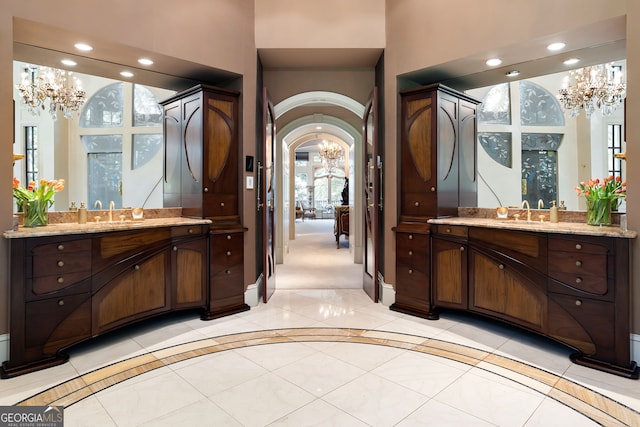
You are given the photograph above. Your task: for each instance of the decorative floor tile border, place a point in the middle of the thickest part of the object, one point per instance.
(590, 403)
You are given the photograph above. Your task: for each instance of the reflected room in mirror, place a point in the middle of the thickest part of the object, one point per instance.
(530, 149)
(109, 150)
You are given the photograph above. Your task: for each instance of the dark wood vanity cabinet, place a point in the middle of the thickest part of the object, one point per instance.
(201, 166)
(572, 288)
(226, 295)
(412, 271)
(202, 175)
(437, 169)
(68, 288)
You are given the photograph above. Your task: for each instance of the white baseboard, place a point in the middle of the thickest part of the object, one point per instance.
(635, 347)
(387, 293)
(4, 347)
(253, 293)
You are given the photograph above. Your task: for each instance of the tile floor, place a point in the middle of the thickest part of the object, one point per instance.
(325, 357)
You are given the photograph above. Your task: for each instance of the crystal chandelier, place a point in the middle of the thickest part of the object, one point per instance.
(52, 88)
(592, 88)
(331, 154)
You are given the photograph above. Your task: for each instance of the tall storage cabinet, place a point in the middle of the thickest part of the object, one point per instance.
(438, 172)
(201, 175)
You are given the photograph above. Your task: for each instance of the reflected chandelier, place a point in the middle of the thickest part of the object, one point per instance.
(52, 87)
(331, 154)
(593, 88)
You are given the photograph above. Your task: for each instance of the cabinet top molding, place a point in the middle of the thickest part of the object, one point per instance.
(575, 228)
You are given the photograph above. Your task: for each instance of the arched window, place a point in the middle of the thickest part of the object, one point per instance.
(120, 122)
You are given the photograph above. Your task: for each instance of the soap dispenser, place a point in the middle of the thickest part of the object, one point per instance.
(553, 212)
(82, 214)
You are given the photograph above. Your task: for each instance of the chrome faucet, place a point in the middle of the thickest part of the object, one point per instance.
(98, 202)
(525, 202)
(112, 205)
(540, 204)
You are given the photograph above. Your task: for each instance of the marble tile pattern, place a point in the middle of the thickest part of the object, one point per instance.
(250, 370)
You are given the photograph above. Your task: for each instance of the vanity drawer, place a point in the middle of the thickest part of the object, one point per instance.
(582, 271)
(452, 230)
(60, 264)
(186, 230)
(63, 247)
(45, 285)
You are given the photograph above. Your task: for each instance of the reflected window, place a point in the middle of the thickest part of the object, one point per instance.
(497, 145)
(144, 148)
(496, 106)
(146, 110)
(104, 109)
(538, 107)
(31, 154)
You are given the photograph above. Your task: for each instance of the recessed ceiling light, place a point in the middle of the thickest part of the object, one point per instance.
(512, 73)
(494, 62)
(145, 61)
(126, 73)
(83, 47)
(318, 127)
(556, 46)
(571, 61)
(69, 62)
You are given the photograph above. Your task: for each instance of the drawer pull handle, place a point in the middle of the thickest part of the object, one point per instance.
(228, 253)
(448, 230)
(228, 237)
(60, 263)
(410, 252)
(222, 204)
(410, 236)
(578, 280)
(136, 267)
(433, 189)
(578, 246)
(175, 249)
(61, 280)
(191, 231)
(578, 302)
(501, 266)
(227, 271)
(417, 204)
(578, 263)
(410, 271)
(61, 247)
(61, 302)
(206, 189)
(461, 248)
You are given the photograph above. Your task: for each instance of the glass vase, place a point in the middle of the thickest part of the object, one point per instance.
(35, 213)
(598, 211)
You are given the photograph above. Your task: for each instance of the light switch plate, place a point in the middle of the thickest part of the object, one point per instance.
(249, 183)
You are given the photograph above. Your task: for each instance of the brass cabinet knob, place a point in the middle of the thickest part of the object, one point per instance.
(136, 267)
(410, 252)
(410, 271)
(191, 231)
(60, 280)
(206, 189)
(448, 230)
(417, 204)
(578, 246)
(578, 263)
(227, 271)
(175, 248)
(410, 236)
(578, 279)
(222, 204)
(501, 266)
(60, 263)
(228, 253)
(461, 248)
(61, 247)
(433, 189)
(578, 302)
(61, 302)
(228, 236)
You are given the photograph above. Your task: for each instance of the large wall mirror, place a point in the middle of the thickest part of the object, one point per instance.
(530, 149)
(110, 150)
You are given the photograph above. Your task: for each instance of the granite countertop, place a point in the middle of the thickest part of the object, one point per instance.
(537, 226)
(66, 228)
